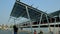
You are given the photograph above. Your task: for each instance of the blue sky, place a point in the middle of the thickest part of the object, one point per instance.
(44, 5)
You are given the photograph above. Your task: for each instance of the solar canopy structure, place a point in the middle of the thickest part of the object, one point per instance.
(19, 10)
(23, 10)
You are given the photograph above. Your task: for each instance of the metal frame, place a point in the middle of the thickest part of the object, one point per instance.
(58, 24)
(40, 20)
(30, 7)
(47, 21)
(14, 19)
(29, 18)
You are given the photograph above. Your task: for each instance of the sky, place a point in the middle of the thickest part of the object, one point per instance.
(6, 7)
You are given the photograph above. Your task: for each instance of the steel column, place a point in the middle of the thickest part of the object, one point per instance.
(48, 22)
(29, 18)
(40, 20)
(54, 25)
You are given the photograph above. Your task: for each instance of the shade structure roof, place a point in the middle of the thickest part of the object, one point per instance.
(56, 13)
(19, 10)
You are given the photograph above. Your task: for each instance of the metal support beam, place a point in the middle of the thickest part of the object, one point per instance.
(54, 26)
(59, 24)
(48, 22)
(40, 20)
(29, 18)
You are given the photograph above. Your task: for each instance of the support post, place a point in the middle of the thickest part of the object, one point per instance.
(48, 22)
(59, 24)
(29, 18)
(40, 20)
(54, 25)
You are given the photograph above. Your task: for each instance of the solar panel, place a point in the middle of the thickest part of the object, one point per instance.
(19, 10)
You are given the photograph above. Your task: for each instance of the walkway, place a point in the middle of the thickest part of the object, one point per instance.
(10, 32)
